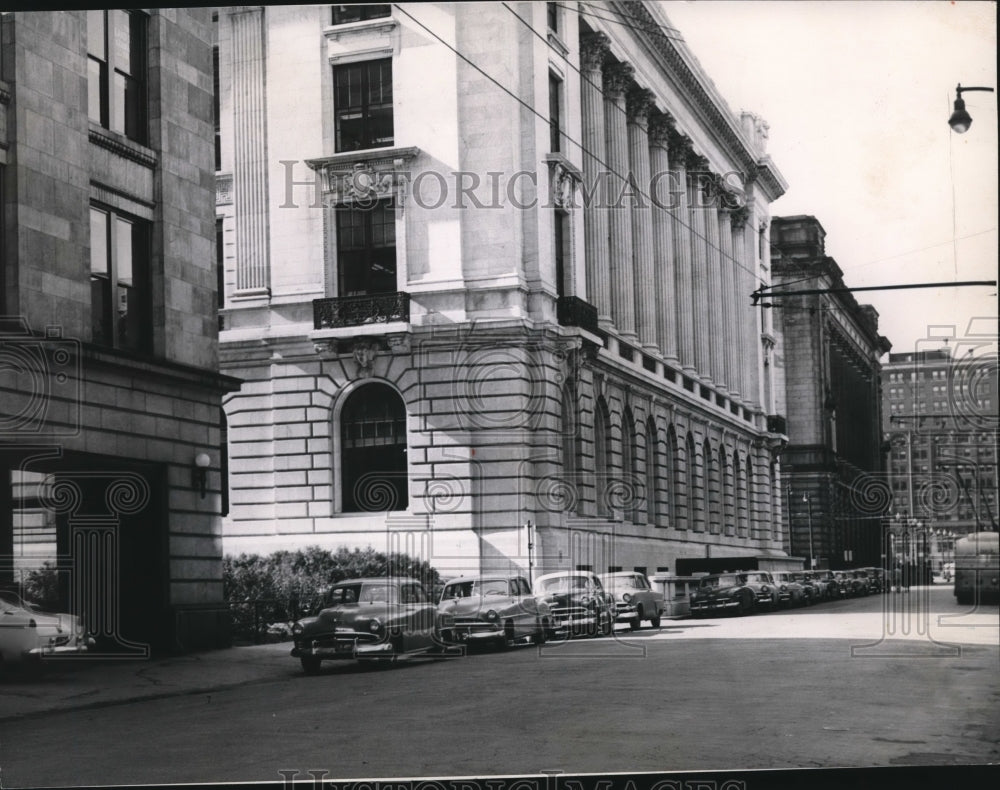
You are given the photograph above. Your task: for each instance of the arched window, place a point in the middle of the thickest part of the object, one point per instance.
(629, 478)
(741, 496)
(671, 478)
(728, 494)
(653, 464)
(373, 450)
(602, 441)
(690, 464)
(570, 444)
(707, 473)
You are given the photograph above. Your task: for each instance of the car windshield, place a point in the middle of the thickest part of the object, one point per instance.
(476, 588)
(371, 592)
(720, 581)
(754, 577)
(564, 584)
(624, 583)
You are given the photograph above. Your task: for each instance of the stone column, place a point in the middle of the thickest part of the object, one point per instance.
(639, 102)
(250, 197)
(730, 300)
(593, 50)
(617, 77)
(741, 266)
(716, 289)
(663, 195)
(700, 303)
(680, 148)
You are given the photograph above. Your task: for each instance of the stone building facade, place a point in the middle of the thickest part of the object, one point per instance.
(833, 470)
(109, 384)
(486, 266)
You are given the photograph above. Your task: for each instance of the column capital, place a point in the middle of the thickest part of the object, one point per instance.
(660, 128)
(617, 77)
(639, 103)
(679, 147)
(593, 50)
(739, 217)
(696, 161)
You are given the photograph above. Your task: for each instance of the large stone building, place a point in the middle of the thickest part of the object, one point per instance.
(110, 398)
(455, 316)
(831, 374)
(940, 423)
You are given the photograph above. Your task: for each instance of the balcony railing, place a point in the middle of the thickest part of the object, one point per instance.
(361, 310)
(573, 311)
(776, 423)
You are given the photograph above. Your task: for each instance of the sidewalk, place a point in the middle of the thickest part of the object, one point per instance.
(78, 682)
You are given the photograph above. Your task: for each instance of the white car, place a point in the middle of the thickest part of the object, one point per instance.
(634, 598)
(28, 634)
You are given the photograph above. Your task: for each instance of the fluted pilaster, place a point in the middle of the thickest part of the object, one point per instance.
(250, 189)
(680, 147)
(593, 50)
(700, 305)
(663, 236)
(616, 79)
(639, 102)
(716, 288)
(730, 294)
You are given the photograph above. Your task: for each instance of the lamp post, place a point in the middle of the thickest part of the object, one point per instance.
(809, 516)
(960, 120)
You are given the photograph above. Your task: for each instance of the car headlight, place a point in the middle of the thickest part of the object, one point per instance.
(626, 597)
(297, 628)
(491, 616)
(375, 625)
(765, 589)
(783, 588)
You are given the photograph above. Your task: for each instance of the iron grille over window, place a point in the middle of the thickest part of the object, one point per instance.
(373, 451)
(363, 105)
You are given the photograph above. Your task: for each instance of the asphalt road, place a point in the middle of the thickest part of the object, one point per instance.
(818, 687)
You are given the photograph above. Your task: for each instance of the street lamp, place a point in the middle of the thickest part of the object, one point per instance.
(960, 120)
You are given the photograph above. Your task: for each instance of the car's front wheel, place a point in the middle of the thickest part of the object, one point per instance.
(636, 622)
(541, 632)
(310, 664)
(746, 605)
(655, 621)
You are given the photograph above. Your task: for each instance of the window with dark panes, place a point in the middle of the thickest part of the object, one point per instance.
(363, 105)
(366, 249)
(116, 71)
(119, 281)
(220, 273)
(216, 111)
(560, 220)
(373, 450)
(342, 14)
(552, 14)
(555, 115)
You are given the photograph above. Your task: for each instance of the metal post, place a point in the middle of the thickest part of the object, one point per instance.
(531, 558)
(809, 515)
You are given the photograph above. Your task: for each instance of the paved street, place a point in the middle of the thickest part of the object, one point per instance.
(816, 687)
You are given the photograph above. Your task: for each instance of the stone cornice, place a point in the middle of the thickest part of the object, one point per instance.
(720, 120)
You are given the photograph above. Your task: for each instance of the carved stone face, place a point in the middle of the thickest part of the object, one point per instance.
(364, 354)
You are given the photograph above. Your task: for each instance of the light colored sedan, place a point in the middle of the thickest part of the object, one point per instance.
(635, 599)
(29, 634)
(494, 608)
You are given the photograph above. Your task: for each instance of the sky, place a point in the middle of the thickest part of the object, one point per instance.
(857, 96)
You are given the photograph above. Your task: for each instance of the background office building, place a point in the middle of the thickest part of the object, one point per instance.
(111, 400)
(833, 466)
(453, 313)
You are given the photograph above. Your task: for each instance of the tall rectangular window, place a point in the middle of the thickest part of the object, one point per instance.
(119, 281)
(116, 71)
(366, 249)
(559, 228)
(359, 12)
(220, 273)
(555, 114)
(363, 105)
(552, 16)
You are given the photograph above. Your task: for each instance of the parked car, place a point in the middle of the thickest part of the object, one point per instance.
(29, 634)
(578, 603)
(876, 579)
(791, 590)
(862, 582)
(384, 619)
(826, 583)
(635, 599)
(741, 593)
(494, 608)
